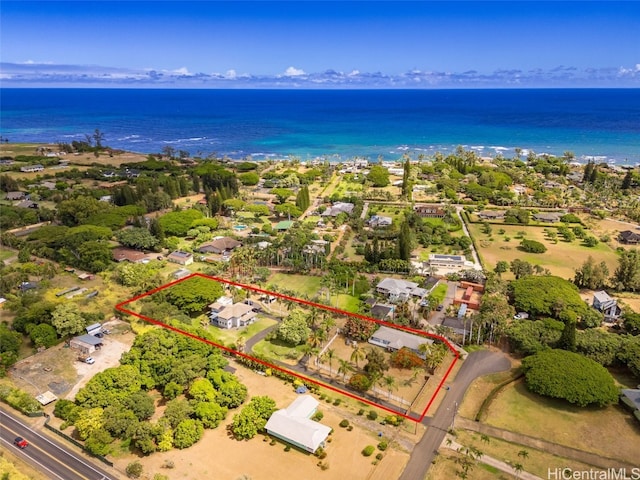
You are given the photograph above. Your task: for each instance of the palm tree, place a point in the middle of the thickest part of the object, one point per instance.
(358, 354)
(344, 368)
(523, 454)
(518, 468)
(484, 438)
(330, 354)
(389, 382)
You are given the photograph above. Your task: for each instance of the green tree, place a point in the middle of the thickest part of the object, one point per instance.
(627, 274)
(202, 390)
(178, 223)
(88, 421)
(67, 320)
(378, 176)
(99, 442)
(591, 275)
(43, 335)
(631, 322)
(253, 417)
(521, 268)
(532, 246)
(570, 376)
(405, 242)
(177, 410)
(501, 267)
(137, 238)
(9, 347)
(210, 413)
(193, 295)
(294, 329)
(568, 337)
(141, 404)
(541, 295)
(187, 433)
(282, 194)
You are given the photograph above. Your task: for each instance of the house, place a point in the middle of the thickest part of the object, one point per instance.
(629, 237)
(399, 290)
(283, 225)
(14, 196)
(181, 273)
(27, 204)
(430, 211)
(381, 311)
(547, 217)
(607, 305)
(86, 344)
(180, 257)
(449, 262)
(338, 208)
(48, 185)
(220, 245)
(492, 214)
(94, 328)
(237, 315)
(32, 168)
(316, 247)
(630, 397)
(393, 339)
(122, 254)
(379, 221)
(294, 425)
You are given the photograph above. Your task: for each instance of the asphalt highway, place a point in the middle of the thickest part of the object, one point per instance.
(47, 455)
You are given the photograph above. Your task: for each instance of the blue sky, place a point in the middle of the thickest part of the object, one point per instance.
(331, 44)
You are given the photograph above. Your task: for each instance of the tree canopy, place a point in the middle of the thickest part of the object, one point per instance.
(546, 296)
(194, 294)
(570, 376)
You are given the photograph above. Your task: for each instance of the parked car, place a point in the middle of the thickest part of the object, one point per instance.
(90, 360)
(440, 308)
(20, 442)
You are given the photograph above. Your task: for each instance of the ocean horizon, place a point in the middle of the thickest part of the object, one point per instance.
(595, 124)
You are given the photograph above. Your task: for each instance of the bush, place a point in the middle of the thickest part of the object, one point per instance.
(379, 456)
(570, 376)
(372, 415)
(368, 450)
(532, 246)
(382, 446)
(344, 423)
(287, 448)
(361, 411)
(317, 416)
(337, 401)
(134, 469)
(349, 428)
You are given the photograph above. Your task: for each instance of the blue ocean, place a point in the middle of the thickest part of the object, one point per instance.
(601, 124)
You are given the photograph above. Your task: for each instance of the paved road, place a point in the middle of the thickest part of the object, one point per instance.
(48, 456)
(478, 363)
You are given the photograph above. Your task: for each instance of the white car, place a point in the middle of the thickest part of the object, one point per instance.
(90, 360)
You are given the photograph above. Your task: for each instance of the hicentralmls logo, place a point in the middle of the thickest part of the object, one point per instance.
(560, 473)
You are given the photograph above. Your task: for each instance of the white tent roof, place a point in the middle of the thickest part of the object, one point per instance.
(292, 423)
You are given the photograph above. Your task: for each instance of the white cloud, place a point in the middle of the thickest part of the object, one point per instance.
(182, 71)
(231, 74)
(293, 72)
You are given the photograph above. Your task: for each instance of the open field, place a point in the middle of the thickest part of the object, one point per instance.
(610, 431)
(561, 258)
(446, 467)
(536, 461)
(217, 455)
(301, 284)
(478, 391)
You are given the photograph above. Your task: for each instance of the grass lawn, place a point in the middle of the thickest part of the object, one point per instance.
(446, 467)
(5, 254)
(561, 258)
(277, 350)
(536, 461)
(609, 431)
(440, 292)
(478, 391)
(301, 284)
(230, 336)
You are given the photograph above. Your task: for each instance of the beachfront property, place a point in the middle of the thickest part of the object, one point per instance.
(629, 238)
(607, 305)
(399, 290)
(231, 315)
(430, 211)
(220, 245)
(180, 257)
(393, 339)
(294, 425)
(338, 208)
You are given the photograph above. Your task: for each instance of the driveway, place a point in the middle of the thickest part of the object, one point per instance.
(477, 364)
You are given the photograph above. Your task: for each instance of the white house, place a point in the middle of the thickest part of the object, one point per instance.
(448, 263)
(232, 316)
(379, 221)
(399, 290)
(294, 425)
(607, 305)
(338, 208)
(393, 339)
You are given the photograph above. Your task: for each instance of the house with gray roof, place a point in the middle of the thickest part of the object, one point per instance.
(629, 237)
(399, 290)
(394, 339)
(236, 315)
(378, 221)
(547, 217)
(338, 208)
(607, 305)
(220, 245)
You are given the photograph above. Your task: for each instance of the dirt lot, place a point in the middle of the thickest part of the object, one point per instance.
(57, 369)
(219, 456)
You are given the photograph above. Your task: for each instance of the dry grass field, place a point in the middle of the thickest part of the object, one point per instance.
(561, 258)
(611, 431)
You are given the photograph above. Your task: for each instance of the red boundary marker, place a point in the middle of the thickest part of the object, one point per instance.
(121, 307)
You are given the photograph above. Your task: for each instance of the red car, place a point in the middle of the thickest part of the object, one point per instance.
(20, 442)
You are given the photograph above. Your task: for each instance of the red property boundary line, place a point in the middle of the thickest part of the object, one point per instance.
(121, 307)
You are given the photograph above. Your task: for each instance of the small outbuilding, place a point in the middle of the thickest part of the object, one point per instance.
(86, 344)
